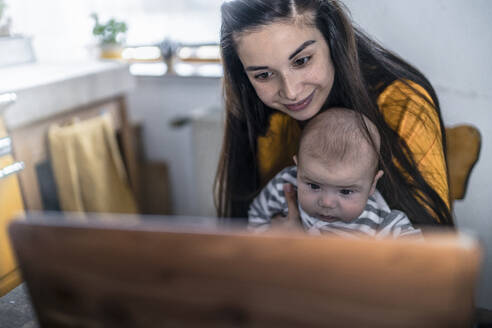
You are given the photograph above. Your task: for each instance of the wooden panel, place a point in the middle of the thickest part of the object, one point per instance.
(155, 193)
(129, 147)
(147, 277)
(10, 206)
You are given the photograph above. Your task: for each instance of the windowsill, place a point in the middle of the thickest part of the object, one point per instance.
(181, 69)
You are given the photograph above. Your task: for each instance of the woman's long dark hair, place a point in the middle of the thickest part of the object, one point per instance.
(363, 69)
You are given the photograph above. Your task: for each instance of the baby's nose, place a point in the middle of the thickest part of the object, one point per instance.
(327, 201)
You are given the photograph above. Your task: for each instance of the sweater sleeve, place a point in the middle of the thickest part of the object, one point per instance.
(417, 122)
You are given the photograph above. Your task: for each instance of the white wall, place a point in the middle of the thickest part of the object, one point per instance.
(451, 42)
(155, 102)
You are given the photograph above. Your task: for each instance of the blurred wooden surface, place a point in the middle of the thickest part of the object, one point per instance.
(155, 278)
(155, 195)
(16, 311)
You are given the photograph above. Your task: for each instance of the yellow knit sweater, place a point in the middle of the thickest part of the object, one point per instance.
(405, 112)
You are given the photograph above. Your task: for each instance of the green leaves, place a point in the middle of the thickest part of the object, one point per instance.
(112, 32)
(3, 6)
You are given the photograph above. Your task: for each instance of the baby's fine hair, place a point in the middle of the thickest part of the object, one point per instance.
(340, 134)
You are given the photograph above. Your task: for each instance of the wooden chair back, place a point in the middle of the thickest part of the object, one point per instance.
(463, 143)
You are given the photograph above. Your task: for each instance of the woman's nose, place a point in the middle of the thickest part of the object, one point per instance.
(290, 88)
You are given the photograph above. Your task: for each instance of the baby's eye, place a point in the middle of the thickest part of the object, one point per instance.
(302, 61)
(313, 186)
(346, 192)
(263, 76)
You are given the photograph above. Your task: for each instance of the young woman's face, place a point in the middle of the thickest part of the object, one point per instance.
(290, 67)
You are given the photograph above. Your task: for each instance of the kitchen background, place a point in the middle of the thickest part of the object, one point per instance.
(449, 40)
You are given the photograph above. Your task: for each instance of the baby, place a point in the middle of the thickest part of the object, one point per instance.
(336, 174)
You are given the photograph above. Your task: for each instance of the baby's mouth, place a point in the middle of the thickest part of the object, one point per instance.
(328, 218)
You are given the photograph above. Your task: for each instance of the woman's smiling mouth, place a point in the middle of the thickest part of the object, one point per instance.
(301, 104)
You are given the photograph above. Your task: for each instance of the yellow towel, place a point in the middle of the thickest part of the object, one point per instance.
(88, 168)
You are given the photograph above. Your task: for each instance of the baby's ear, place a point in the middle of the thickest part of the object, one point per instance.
(295, 159)
(378, 176)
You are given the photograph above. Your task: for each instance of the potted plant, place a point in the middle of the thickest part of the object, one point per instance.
(111, 36)
(3, 5)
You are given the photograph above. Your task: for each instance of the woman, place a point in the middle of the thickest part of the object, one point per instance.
(287, 60)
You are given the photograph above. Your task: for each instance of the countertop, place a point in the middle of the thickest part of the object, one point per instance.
(44, 89)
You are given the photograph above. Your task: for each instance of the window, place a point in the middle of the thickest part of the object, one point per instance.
(60, 26)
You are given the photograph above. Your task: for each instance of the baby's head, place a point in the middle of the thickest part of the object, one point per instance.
(337, 164)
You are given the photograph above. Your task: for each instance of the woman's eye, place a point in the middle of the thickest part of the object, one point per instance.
(313, 186)
(302, 61)
(263, 76)
(346, 192)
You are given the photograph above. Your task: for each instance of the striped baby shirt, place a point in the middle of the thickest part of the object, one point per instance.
(377, 220)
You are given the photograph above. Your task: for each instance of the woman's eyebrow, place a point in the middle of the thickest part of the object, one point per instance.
(298, 50)
(301, 48)
(255, 68)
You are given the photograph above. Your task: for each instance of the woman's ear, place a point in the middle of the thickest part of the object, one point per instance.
(378, 176)
(295, 159)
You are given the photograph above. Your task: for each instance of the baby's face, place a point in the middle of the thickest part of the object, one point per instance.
(334, 191)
